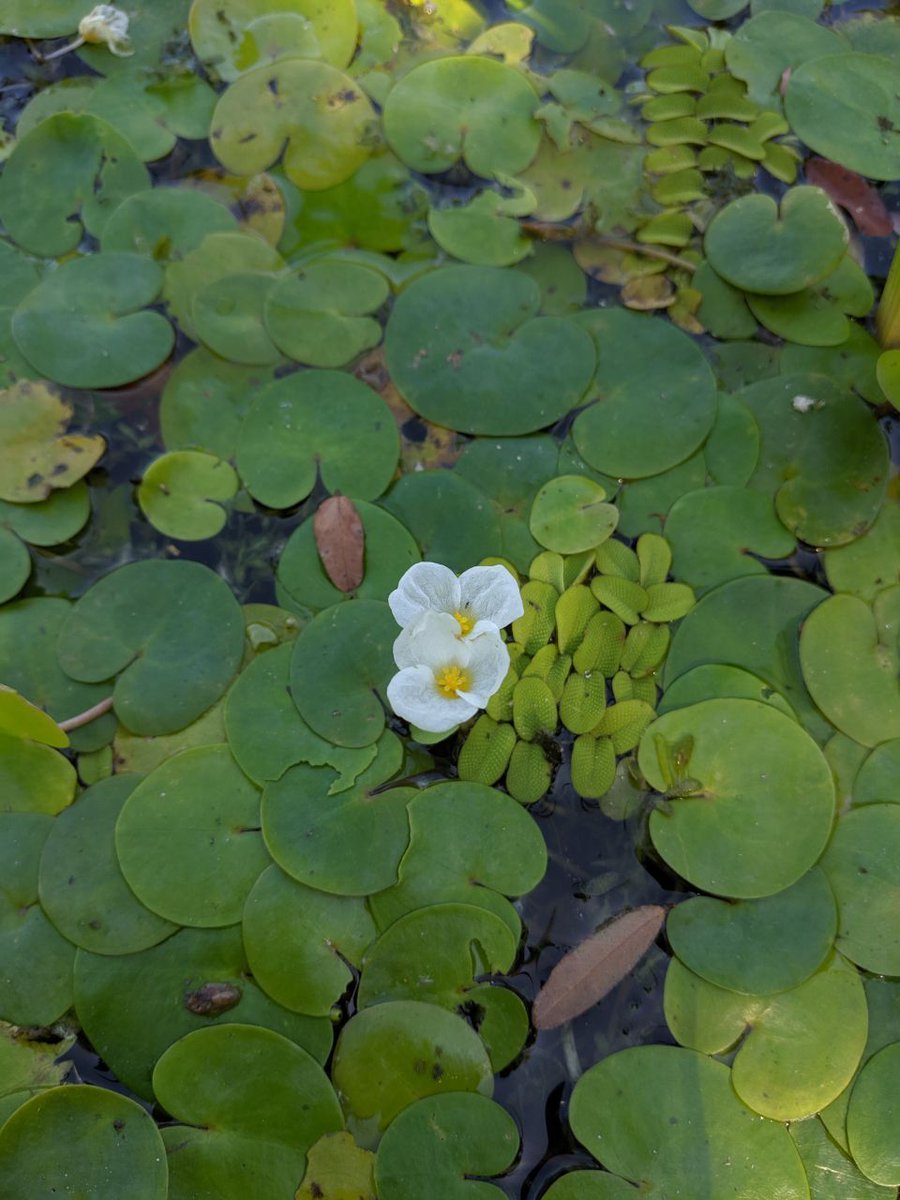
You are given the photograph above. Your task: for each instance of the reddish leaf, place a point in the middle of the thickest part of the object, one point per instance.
(852, 193)
(594, 967)
(341, 542)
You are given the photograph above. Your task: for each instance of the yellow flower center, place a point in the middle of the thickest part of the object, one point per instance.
(451, 680)
(466, 623)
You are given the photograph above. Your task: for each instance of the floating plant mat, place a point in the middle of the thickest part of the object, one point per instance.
(449, 595)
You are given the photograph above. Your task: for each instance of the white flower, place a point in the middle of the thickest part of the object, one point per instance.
(487, 594)
(106, 23)
(444, 678)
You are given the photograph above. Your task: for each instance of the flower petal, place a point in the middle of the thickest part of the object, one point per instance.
(487, 667)
(413, 695)
(425, 587)
(491, 594)
(431, 642)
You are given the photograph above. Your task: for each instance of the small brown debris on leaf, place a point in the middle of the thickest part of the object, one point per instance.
(212, 999)
(853, 193)
(593, 968)
(341, 542)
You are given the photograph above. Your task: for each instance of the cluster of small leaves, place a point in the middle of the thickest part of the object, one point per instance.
(584, 657)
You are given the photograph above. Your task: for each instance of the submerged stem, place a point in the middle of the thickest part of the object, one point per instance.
(89, 714)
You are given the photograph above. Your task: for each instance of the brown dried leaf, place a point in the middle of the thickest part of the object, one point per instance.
(341, 542)
(852, 193)
(594, 967)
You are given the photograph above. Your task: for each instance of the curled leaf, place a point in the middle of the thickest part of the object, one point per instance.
(593, 968)
(341, 542)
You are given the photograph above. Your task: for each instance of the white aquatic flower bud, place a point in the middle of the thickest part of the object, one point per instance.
(107, 24)
(480, 594)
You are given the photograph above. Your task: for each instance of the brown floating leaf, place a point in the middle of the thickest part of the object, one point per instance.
(594, 968)
(852, 193)
(341, 542)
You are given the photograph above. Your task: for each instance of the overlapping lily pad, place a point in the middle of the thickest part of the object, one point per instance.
(872, 1117)
(205, 401)
(467, 349)
(739, 831)
(318, 315)
(181, 494)
(139, 623)
(451, 519)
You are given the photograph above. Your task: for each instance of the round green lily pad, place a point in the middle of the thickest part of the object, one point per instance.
(759, 247)
(845, 107)
(37, 455)
(469, 844)
(670, 1115)
(317, 422)
(19, 718)
(33, 777)
(645, 367)
(452, 520)
(81, 326)
(465, 107)
(308, 115)
(217, 257)
(799, 1048)
(762, 809)
(485, 230)
(711, 681)
(35, 961)
(732, 448)
(188, 838)
(267, 734)
(165, 223)
(737, 524)
(134, 1006)
(434, 1146)
(870, 563)
(818, 315)
(228, 318)
(850, 658)
(873, 1118)
(82, 888)
(745, 622)
(835, 1174)
(318, 314)
(644, 503)
(861, 863)
(350, 646)
(348, 843)
(69, 164)
(757, 946)
(389, 551)
(252, 1103)
(205, 401)
(238, 35)
(51, 521)
(140, 624)
(467, 349)
(392, 1054)
(568, 515)
(878, 776)
(300, 940)
(86, 1141)
(181, 493)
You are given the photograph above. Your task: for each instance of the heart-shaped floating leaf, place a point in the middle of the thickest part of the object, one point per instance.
(43, 1144)
(299, 941)
(218, 256)
(670, 1115)
(181, 494)
(318, 314)
(386, 549)
(317, 421)
(711, 681)
(165, 224)
(451, 519)
(861, 863)
(36, 454)
(467, 349)
(845, 106)
(188, 838)
(81, 325)
(760, 247)
(850, 660)
(53, 19)
(139, 623)
(82, 888)
(872, 1117)
(36, 972)
(644, 503)
(773, 41)
(308, 115)
(645, 366)
(757, 946)
(736, 833)
(19, 718)
(392, 1054)
(870, 563)
(818, 315)
(875, 779)
(238, 35)
(435, 1145)
(337, 1169)
(465, 107)
(485, 231)
(586, 974)
(836, 1174)
(167, 987)
(228, 318)
(803, 1045)
(252, 1104)
(568, 515)
(15, 564)
(68, 164)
